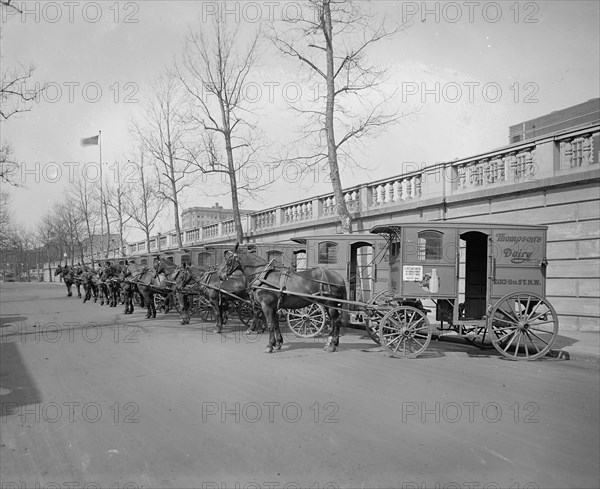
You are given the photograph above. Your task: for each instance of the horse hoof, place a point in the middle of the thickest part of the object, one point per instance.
(217, 331)
(329, 348)
(248, 331)
(269, 349)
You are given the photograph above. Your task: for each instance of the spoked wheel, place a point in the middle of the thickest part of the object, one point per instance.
(159, 301)
(478, 336)
(205, 310)
(308, 321)
(373, 323)
(523, 326)
(381, 304)
(245, 312)
(405, 331)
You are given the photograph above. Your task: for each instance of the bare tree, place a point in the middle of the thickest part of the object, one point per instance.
(163, 137)
(86, 195)
(5, 219)
(214, 72)
(47, 236)
(14, 99)
(144, 203)
(332, 41)
(116, 201)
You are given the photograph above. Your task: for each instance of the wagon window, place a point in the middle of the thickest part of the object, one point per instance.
(204, 259)
(327, 253)
(170, 258)
(394, 251)
(144, 261)
(429, 245)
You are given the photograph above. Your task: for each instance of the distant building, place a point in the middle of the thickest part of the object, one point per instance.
(586, 113)
(196, 217)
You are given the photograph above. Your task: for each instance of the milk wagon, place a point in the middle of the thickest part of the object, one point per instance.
(485, 282)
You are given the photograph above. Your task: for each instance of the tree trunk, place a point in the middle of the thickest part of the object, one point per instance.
(334, 172)
(235, 205)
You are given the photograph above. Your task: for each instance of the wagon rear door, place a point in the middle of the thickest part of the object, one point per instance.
(518, 261)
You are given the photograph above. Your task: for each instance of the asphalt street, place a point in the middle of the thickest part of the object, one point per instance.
(91, 397)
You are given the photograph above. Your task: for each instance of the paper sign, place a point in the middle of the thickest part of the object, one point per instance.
(412, 273)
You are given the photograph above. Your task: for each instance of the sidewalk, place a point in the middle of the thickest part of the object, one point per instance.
(577, 346)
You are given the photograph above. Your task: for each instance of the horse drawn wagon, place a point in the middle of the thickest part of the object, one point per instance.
(484, 282)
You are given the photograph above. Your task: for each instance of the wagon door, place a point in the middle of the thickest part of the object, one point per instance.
(474, 262)
(367, 269)
(518, 261)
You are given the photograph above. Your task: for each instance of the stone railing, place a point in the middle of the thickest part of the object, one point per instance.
(518, 163)
(579, 151)
(396, 190)
(512, 166)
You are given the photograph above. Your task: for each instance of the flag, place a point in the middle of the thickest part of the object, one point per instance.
(93, 141)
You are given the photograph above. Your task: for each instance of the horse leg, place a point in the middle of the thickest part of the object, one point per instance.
(218, 316)
(333, 340)
(79, 291)
(278, 336)
(69, 293)
(183, 308)
(269, 313)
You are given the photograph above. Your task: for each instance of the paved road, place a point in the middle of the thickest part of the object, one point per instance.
(91, 396)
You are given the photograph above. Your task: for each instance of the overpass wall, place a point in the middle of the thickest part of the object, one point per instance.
(553, 180)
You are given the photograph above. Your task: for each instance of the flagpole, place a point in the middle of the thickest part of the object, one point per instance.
(101, 193)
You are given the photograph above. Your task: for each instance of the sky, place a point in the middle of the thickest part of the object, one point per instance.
(462, 71)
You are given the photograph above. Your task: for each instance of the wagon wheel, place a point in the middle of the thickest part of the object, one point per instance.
(478, 336)
(159, 301)
(308, 321)
(245, 312)
(380, 305)
(194, 303)
(405, 331)
(523, 326)
(205, 310)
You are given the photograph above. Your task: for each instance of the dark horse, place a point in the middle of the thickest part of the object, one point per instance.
(111, 276)
(68, 276)
(217, 290)
(148, 281)
(89, 282)
(280, 287)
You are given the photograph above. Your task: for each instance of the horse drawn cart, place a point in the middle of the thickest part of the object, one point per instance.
(486, 282)
(483, 282)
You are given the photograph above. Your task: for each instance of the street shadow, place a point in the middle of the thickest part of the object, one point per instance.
(10, 319)
(17, 387)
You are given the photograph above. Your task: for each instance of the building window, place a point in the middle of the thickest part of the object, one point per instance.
(185, 259)
(429, 245)
(327, 251)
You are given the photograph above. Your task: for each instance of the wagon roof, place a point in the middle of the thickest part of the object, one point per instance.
(392, 228)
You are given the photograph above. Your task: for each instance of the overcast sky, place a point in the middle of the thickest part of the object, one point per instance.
(512, 61)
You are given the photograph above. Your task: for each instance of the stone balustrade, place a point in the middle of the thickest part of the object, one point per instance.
(517, 163)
